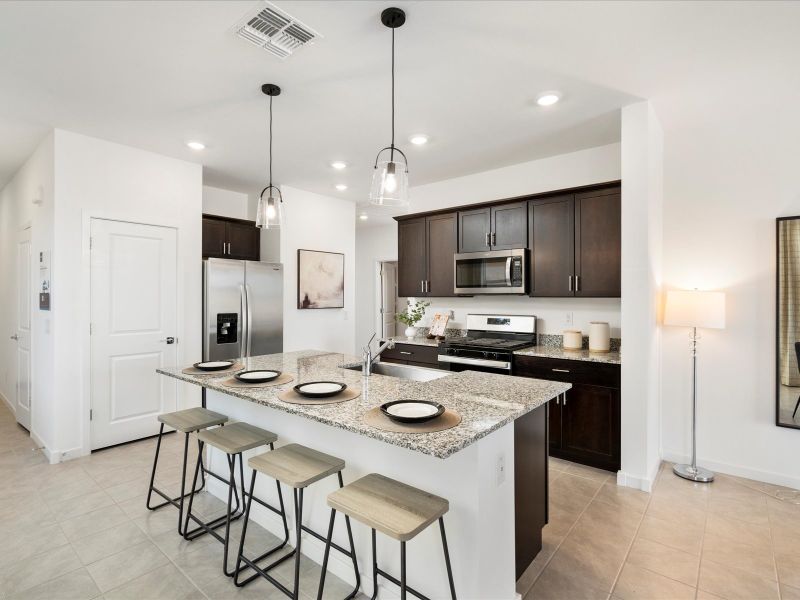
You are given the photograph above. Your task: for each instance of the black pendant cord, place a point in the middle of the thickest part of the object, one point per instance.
(391, 155)
(270, 141)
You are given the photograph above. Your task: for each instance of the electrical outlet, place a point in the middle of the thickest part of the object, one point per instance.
(501, 469)
(568, 319)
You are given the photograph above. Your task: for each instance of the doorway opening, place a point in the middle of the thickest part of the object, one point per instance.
(22, 333)
(386, 301)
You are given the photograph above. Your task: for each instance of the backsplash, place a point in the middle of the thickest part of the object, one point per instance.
(549, 340)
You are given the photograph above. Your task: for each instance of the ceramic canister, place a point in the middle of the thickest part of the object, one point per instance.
(573, 339)
(599, 337)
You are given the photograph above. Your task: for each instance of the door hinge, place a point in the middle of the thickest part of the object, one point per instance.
(91, 241)
(91, 414)
(90, 329)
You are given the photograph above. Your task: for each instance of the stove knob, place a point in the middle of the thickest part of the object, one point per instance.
(485, 354)
(451, 351)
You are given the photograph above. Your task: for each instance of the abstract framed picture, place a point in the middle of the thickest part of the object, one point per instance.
(320, 279)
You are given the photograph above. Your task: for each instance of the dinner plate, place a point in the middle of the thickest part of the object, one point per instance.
(257, 376)
(214, 365)
(412, 411)
(320, 389)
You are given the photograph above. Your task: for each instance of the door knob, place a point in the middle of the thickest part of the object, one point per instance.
(169, 340)
(15, 337)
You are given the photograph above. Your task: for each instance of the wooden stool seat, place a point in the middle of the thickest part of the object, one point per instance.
(192, 419)
(295, 465)
(237, 437)
(391, 507)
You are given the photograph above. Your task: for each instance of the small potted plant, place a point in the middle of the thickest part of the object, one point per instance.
(412, 315)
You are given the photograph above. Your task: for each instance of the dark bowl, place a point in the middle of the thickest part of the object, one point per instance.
(273, 374)
(228, 365)
(299, 390)
(422, 419)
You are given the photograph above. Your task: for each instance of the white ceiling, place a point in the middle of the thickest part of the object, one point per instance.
(156, 74)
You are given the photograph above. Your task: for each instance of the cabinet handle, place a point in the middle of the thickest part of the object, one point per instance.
(564, 400)
(494, 238)
(421, 286)
(577, 283)
(223, 247)
(428, 286)
(488, 237)
(404, 352)
(570, 283)
(561, 370)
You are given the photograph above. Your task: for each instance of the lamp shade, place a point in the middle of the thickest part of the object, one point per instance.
(693, 308)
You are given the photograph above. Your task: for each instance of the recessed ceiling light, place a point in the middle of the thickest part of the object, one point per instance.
(363, 217)
(341, 187)
(548, 98)
(196, 145)
(418, 139)
(339, 164)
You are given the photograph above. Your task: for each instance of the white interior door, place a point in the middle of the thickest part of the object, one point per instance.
(133, 318)
(23, 330)
(388, 298)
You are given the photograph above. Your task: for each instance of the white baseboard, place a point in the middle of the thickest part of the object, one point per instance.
(639, 483)
(738, 471)
(8, 403)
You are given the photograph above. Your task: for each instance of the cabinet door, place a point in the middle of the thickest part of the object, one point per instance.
(474, 227)
(442, 238)
(244, 241)
(214, 238)
(590, 426)
(552, 262)
(598, 241)
(510, 226)
(411, 260)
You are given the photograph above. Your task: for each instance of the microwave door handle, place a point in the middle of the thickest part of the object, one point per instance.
(508, 271)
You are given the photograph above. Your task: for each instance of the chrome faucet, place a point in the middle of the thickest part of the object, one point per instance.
(367, 358)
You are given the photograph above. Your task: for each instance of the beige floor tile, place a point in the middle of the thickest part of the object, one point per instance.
(221, 587)
(789, 568)
(789, 593)
(80, 505)
(734, 584)
(637, 583)
(673, 534)
(122, 567)
(677, 511)
(205, 564)
(23, 575)
(125, 474)
(669, 562)
(164, 583)
(748, 510)
(561, 520)
(704, 595)
(556, 583)
(158, 521)
(588, 472)
(738, 531)
(632, 500)
(97, 546)
(570, 484)
(616, 519)
(31, 542)
(173, 545)
(757, 560)
(77, 585)
(93, 522)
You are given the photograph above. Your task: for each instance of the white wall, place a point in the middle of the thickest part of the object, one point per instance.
(17, 211)
(642, 187)
(585, 167)
(315, 222)
(95, 178)
(727, 175)
(227, 203)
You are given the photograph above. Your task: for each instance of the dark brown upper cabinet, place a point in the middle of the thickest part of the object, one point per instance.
(425, 249)
(598, 244)
(575, 243)
(552, 239)
(502, 227)
(230, 238)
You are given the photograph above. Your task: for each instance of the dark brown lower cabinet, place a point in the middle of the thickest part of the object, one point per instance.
(584, 425)
(412, 354)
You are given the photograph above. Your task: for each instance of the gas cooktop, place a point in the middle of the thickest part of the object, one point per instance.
(488, 342)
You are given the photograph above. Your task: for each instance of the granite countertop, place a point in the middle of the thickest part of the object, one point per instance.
(612, 358)
(485, 401)
(416, 341)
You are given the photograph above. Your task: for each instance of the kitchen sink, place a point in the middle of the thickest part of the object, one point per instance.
(404, 371)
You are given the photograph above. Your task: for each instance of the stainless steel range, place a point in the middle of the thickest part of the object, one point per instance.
(489, 344)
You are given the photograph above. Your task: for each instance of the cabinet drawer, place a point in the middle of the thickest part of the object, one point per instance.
(569, 371)
(413, 353)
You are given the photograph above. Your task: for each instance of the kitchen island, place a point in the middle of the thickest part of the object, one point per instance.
(501, 438)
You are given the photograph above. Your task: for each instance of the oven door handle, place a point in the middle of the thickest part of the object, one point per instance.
(478, 362)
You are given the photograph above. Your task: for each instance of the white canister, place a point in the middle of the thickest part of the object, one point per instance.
(599, 337)
(573, 339)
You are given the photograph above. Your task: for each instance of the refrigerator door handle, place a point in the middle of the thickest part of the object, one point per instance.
(244, 324)
(249, 332)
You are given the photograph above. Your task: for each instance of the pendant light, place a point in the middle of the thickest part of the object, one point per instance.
(390, 177)
(269, 213)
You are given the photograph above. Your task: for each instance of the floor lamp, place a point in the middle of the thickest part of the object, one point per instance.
(694, 309)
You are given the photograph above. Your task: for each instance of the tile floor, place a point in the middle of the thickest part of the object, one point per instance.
(731, 539)
(80, 530)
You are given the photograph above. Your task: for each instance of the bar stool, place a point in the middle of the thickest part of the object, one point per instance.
(297, 467)
(186, 421)
(232, 439)
(395, 509)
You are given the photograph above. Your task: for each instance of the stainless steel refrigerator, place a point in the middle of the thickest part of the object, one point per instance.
(242, 308)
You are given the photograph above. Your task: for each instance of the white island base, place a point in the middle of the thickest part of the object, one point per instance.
(477, 480)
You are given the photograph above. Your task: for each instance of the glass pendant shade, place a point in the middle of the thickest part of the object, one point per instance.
(269, 214)
(389, 183)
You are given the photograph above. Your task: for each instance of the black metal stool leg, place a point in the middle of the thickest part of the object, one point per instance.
(244, 530)
(447, 560)
(183, 482)
(374, 568)
(153, 473)
(231, 489)
(298, 514)
(325, 556)
(402, 571)
(200, 445)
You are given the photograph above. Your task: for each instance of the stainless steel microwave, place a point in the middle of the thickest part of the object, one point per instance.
(495, 272)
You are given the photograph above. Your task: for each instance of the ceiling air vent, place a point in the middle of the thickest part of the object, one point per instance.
(274, 30)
